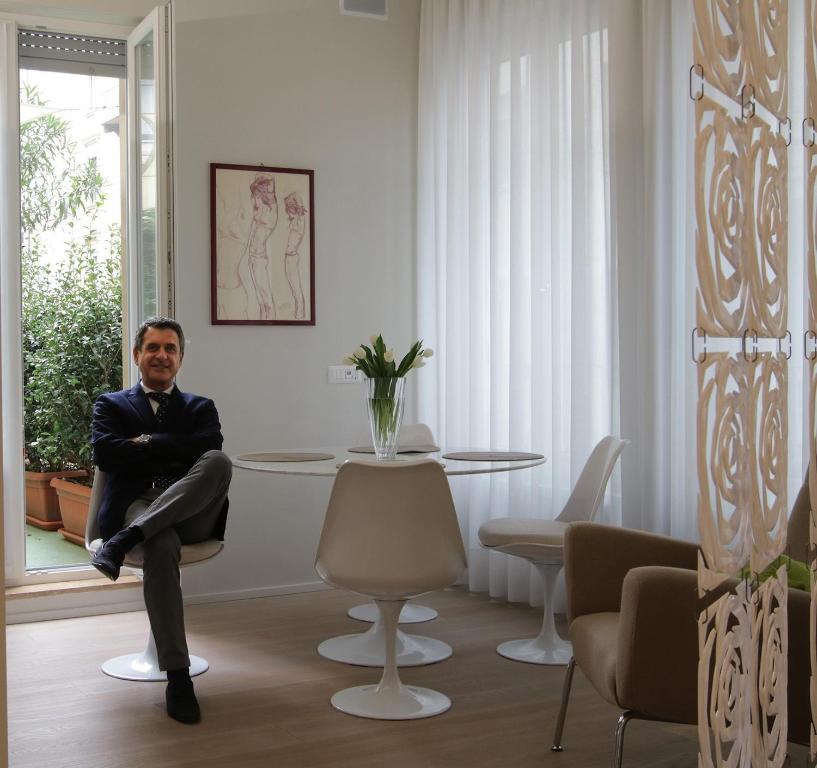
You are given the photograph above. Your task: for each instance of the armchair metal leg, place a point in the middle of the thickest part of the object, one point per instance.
(560, 722)
(620, 726)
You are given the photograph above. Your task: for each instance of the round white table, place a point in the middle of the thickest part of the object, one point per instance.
(368, 648)
(329, 467)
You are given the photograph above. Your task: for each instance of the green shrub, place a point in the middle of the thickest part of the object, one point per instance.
(72, 323)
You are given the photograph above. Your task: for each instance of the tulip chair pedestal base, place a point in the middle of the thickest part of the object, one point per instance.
(144, 666)
(133, 666)
(390, 699)
(547, 647)
(411, 613)
(535, 652)
(406, 702)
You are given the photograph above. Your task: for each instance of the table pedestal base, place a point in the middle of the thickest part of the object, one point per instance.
(368, 649)
(411, 613)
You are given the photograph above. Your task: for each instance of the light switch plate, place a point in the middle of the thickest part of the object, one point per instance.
(343, 374)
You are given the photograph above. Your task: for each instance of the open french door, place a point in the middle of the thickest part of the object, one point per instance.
(147, 236)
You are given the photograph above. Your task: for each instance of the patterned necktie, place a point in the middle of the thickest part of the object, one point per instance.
(162, 482)
(163, 398)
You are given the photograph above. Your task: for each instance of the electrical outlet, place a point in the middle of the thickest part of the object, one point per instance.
(343, 374)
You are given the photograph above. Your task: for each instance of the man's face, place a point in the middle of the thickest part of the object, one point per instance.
(159, 358)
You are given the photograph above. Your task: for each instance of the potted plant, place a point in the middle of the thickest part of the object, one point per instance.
(74, 353)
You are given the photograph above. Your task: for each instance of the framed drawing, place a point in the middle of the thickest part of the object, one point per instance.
(262, 242)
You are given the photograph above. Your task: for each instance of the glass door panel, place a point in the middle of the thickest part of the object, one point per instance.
(149, 163)
(146, 169)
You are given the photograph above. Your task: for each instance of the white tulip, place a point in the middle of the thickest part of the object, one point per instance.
(359, 353)
(428, 353)
(349, 360)
(418, 362)
(389, 356)
(373, 339)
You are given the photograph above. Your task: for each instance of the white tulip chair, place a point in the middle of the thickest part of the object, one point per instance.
(144, 665)
(411, 436)
(390, 533)
(541, 542)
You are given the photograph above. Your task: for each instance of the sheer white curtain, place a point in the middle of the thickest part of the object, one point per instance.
(547, 277)
(517, 283)
(652, 170)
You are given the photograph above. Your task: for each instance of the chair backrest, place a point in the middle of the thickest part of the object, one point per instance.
(416, 434)
(92, 524)
(588, 492)
(391, 531)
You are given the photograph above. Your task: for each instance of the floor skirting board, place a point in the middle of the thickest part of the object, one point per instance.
(77, 603)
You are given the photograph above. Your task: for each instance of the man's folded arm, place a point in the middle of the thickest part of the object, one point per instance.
(188, 447)
(113, 451)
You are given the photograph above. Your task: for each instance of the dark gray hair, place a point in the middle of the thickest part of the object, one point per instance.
(162, 323)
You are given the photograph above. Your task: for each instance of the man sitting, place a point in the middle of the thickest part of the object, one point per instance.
(168, 482)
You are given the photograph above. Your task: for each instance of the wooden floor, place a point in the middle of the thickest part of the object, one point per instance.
(265, 700)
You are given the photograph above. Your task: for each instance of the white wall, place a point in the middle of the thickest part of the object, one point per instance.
(294, 84)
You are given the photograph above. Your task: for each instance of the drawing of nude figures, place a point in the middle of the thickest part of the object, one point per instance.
(258, 270)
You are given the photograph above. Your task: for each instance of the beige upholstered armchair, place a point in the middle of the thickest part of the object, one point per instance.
(632, 607)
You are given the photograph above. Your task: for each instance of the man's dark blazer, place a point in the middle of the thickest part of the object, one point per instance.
(190, 429)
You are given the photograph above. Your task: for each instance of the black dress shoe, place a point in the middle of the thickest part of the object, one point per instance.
(181, 701)
(110, 558)
(108, 561)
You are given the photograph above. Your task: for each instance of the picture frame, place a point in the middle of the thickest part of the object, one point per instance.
(262, 244)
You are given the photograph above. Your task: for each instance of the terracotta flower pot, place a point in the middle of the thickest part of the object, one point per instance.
(74, 500)
(42, 507)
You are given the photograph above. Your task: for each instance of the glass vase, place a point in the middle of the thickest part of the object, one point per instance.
(384, 400)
